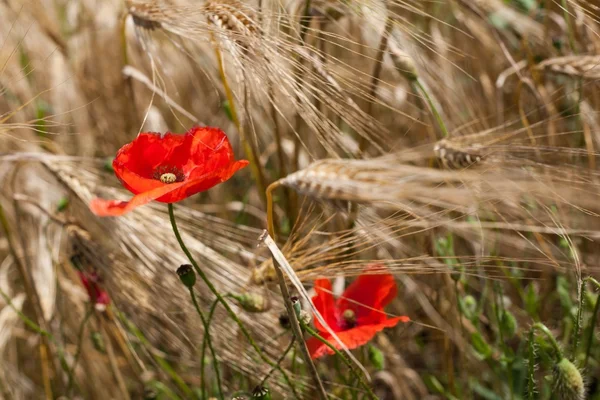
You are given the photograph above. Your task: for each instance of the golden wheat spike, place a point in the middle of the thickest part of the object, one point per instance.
(581, 66)
(453, 157)
(231, 15)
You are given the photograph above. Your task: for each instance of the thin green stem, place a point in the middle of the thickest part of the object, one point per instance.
(205, 342)
(357, 374)
(84, 321)
(542, 328)
(591, 333)
(594, 316)
(279, 361)
(436, 114)
(210, 346)
(221, 300)
(578, 318)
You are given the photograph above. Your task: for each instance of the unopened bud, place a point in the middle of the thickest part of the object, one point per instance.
(187, 276)
(284, 320)
(261, 393)
(568, 382)
(252, 302)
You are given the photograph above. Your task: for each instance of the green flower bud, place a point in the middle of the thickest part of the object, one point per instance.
(567, 381)
(252, 302)
(261, 393)
(284, 320)
(376, 357)
(187, 276)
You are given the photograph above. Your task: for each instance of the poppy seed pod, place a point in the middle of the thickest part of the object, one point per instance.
(568, 382)
(187, 276)
(261, 393)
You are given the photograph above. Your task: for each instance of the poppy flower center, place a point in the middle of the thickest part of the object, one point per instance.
(349, 317)
(167, 174)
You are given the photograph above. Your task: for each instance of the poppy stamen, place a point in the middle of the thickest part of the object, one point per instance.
(168, 178)
(168, 175)
(349, 317)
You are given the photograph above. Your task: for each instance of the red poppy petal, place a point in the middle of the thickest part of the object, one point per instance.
(146, 152)
(325, 304)
(367, 296)
(114, 208)
(352, 338)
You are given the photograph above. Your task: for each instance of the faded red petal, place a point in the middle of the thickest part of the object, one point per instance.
(352, 338)
(324, 302)
(367, 296)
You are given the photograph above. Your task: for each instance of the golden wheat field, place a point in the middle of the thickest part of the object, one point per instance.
(300, 199)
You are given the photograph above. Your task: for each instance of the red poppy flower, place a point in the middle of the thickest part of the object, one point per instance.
(169, 168)
(356, 316)
(97, 295)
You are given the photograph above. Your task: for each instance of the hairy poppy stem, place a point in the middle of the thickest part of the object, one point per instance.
(544, 329)
(210, 346)
(358, 376)
(205, 341)
(297, 330)
(592, 322)
(221, 300)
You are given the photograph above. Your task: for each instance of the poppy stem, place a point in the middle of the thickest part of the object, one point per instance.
(286, 351)
(205, 343)
(221, 300)
(358, 376)
(210, 346)
(297, 330)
